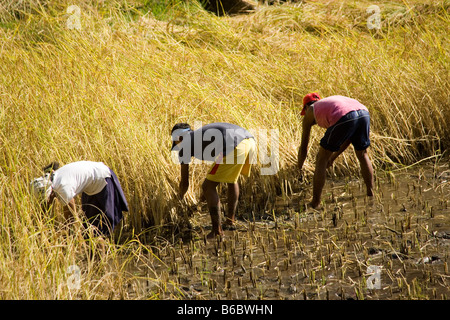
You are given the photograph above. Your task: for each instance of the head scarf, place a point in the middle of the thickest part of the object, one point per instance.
(42, 187)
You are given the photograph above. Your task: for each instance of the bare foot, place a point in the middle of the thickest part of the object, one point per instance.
(213, 235)
(229, 226)
(314, 205)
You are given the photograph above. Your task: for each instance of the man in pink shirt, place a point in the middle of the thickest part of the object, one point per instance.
(347, 121)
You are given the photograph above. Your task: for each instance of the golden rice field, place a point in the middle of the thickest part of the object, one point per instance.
(108, 82)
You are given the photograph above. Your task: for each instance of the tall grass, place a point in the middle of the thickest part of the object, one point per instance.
(112, 91)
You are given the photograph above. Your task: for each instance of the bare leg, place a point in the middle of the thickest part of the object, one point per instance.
(320, 175)
(233, 197)
(366, 170)
(213, 201)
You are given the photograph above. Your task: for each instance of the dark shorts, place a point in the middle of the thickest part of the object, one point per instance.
(104, 209)
(354, 126)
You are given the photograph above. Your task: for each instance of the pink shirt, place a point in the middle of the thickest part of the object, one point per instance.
(329, 110)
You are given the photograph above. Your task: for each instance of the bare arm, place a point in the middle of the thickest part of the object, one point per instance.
(308, 122)
(50, 201)
(184, 182)
(70, 209)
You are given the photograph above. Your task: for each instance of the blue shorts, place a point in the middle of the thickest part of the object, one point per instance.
(354, 126)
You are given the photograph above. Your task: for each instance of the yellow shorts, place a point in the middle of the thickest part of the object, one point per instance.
(227, 169)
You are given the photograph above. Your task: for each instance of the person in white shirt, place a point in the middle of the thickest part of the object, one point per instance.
(102, 197)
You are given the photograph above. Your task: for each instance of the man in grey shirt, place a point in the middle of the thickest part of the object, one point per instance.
(231, 148)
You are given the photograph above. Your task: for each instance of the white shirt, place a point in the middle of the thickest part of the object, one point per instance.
(77, 177)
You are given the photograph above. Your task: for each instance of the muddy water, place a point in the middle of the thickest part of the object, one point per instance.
(394, 245)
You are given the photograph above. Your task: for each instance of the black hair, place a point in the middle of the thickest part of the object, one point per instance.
(53, 166)
(180, 125)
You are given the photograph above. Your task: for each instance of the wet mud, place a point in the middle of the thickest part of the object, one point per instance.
(394, 245)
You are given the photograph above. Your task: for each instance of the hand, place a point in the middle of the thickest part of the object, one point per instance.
(301, 176)
(332, 158)
(300, 167)
(185, 210)
(330, 163)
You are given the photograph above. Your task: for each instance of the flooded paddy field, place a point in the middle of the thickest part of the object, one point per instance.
(394, 245)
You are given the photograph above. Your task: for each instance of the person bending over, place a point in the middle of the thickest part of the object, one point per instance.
(102, 197)
(346, 121)
(231, 148)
